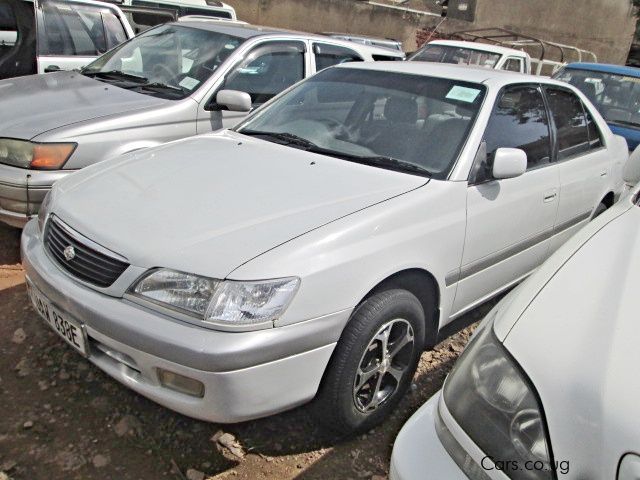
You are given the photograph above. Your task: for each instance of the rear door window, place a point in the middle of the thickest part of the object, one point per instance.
(570, 122)
(328, 55)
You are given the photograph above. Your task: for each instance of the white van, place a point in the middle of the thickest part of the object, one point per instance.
(39, 36)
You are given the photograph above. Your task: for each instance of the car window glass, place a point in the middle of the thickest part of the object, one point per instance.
(456, 55)
(595, 136)
(519, 120)
(72, 31)
(329, 55)
(268, 70)
(114, 30)
(513, 65)
(570, 122)
(8, 28)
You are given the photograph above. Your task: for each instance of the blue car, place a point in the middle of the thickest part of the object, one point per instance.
(614, 90)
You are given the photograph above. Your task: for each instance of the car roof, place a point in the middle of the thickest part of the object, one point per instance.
(605, 68)
(247, 31)
(480, 46)
(462, 73)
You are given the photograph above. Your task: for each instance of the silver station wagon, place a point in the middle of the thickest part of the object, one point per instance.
(162, 85)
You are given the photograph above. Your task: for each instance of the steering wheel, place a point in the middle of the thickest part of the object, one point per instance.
(162, 72)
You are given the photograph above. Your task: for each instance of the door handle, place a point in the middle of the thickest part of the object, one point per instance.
(604, 173)
(550, 197)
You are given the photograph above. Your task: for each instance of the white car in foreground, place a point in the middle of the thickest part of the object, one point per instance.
(317, 248)
(547, 388)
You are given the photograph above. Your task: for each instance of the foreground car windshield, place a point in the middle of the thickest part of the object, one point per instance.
(413, 123)
(456, 55)
(617, 97)
(169, 61)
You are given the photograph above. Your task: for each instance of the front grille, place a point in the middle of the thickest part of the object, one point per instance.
(87, 264)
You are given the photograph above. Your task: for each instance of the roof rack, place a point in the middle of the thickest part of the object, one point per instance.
(507, 38)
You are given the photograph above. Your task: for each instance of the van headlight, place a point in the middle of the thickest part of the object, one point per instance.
(495, 403)
(217, 302)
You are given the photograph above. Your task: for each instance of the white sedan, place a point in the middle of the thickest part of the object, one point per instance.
(319, 247)
(547, 388)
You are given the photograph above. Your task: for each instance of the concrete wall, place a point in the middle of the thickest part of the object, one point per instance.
(604, 26)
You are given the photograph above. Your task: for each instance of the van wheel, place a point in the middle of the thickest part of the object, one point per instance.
(601, 209)
(373, 363)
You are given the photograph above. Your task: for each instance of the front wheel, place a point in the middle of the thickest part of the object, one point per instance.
(373, 363)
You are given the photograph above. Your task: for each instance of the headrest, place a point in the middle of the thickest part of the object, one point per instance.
(399, 109)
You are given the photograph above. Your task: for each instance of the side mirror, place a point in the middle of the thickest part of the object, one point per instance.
(509, 163)
(631, 172)
(234, 100)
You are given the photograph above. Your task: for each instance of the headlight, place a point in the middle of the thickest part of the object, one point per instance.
(497, 406)
(44, 210)
(37, 156)
(226, 303)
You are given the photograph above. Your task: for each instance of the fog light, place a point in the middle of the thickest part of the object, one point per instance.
(180, 383)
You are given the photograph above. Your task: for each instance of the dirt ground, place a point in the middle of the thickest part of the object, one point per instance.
(62, 418)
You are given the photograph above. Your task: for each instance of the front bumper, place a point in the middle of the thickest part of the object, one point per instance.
(22, 192)
(418, 453)
(246, 374)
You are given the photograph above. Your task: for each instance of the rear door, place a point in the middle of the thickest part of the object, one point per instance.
(72, 35)
(583, 163)
(509, 222)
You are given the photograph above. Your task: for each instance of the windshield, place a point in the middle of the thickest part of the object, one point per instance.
(617, 97)
(168, 61)
(410, 123)
(456, 55)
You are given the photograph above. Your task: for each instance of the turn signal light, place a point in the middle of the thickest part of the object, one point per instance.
(51, 156)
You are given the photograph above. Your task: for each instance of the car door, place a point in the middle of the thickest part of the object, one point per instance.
(509, 222)
(583, 163)
(72, 35)
(266, 70)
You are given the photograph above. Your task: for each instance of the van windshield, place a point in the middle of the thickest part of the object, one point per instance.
(456, 55)
(617, 97)
(170, 61)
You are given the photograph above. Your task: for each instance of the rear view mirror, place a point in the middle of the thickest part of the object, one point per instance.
(631, 172)
(234, 100)
(509, 163)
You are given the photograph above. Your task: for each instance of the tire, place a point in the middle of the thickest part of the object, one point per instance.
(347, 402)
(599, 210)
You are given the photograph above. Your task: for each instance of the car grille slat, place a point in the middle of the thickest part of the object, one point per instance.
(89, 264)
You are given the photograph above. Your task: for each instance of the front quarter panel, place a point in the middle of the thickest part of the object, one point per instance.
(109, 137)
(342, 261)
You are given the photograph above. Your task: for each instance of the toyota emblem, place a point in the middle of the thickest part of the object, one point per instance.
(69, 253)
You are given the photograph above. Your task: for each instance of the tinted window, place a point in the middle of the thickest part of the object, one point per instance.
(113, 29)
(329, 55)
(570, 122)
(595, 137)
(268, 70)
(513, 65)
(72, 31)
(519, 120)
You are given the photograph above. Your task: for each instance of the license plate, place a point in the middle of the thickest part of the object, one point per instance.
(70, 330)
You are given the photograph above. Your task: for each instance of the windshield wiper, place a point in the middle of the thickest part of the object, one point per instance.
(159, 86)
(116, 74)
(281, 137)
(307, 145)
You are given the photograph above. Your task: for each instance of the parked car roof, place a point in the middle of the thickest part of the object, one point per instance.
(606, 68)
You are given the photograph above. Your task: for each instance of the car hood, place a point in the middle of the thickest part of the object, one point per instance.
(208, 204)
(578, 342)
(36, 104)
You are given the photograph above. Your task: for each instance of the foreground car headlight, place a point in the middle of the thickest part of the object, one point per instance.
(494, 402)
(37, 156)
(228, 303)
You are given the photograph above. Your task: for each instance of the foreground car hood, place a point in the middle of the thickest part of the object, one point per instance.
(38, 103)
(578, 342)
(211, 203)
